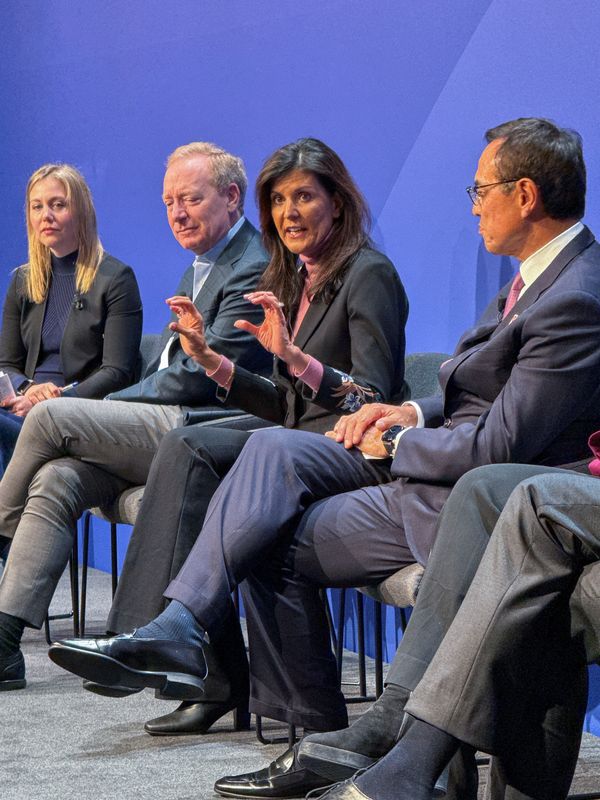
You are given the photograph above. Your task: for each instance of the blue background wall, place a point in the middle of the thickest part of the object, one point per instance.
(403, 90)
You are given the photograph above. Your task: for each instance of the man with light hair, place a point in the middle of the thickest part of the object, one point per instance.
(109, 446)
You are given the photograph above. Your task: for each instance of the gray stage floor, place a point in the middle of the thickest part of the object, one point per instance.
(58, 741)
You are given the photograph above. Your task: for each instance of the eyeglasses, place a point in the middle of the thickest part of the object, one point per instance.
(473, 191)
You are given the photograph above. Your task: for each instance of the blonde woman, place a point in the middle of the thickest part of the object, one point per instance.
(72, 316)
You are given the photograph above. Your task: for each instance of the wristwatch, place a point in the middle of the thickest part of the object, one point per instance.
(388, 438)
(22, 387)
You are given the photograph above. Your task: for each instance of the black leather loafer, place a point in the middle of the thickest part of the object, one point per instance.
(12, 673)
(284, 778)
(333, 763)
(173, 669)
(190, 718)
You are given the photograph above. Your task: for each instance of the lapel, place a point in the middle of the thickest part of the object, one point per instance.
(475, 337)
(312, 319)
(548, 276)
(223, 267)
(35, 322)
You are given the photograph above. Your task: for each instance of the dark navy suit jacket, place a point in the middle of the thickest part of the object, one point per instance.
(525, 389)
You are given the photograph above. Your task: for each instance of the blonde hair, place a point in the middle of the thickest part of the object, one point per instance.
(90, 250)
(226, 168)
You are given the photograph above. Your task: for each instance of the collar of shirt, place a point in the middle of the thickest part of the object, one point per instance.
(536, 263)
(205, 262)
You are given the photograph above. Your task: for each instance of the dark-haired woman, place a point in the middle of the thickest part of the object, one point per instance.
(335, 312)
(72, 315)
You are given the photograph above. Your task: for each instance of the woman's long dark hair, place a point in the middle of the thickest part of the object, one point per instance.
(349, 233)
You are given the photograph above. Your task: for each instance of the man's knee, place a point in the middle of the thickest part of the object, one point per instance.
(57, 485)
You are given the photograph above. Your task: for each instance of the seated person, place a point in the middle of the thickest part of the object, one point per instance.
(72, 316)
(346, 346)
(317, 212)
(329, 528)
(502, 670)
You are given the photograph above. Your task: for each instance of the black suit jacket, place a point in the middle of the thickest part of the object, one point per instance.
(100, 343)
(525, 389)
(220, 301)
(358, 336)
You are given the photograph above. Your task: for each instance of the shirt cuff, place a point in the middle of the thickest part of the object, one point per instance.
(223, 373)
(311, 375)
(417, 408)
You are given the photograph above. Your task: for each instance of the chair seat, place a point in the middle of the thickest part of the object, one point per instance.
(124, 509)
(400, 589)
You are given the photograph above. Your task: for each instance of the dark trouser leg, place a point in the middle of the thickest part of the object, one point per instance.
(346, 540)
(276, 477)
(185, 473)
(464, 529)
(509, 678)
(10, 428)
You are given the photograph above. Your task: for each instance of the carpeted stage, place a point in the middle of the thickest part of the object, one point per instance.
(60, 742)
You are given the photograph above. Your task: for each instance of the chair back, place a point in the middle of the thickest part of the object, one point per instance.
(421, 373)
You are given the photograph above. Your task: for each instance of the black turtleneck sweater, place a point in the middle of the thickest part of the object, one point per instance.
(58, 306)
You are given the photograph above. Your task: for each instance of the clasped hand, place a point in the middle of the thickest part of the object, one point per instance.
(22, 404)
(364, 428)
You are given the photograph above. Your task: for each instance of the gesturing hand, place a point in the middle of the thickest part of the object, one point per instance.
(190, 327)
(273, 333)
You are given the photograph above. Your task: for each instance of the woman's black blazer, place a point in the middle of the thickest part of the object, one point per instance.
(100, 343)
(358, 336)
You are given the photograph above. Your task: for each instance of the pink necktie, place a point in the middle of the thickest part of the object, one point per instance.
(513, 295)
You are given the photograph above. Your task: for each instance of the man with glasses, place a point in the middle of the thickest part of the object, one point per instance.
(522, 386)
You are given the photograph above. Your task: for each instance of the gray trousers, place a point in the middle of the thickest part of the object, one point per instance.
(72, 454)
(509, 677)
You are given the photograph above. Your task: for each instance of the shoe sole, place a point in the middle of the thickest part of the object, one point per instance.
(332, 762)
(109, 691)
(106, 671)
(252, 796)
(10, 686)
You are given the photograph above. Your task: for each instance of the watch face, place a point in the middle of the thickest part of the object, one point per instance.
(391, 433)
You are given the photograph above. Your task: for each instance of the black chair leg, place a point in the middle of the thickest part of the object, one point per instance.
(290, 739)
(74, 578)
(75, 583)
(113, 556)
(362, 666)
(87, 521)
(378, 649)
(339, 655)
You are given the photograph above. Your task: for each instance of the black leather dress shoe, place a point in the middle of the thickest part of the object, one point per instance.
(334, 762)
(175, 670)
(109, 691)
(284, 777)
(12, 673)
